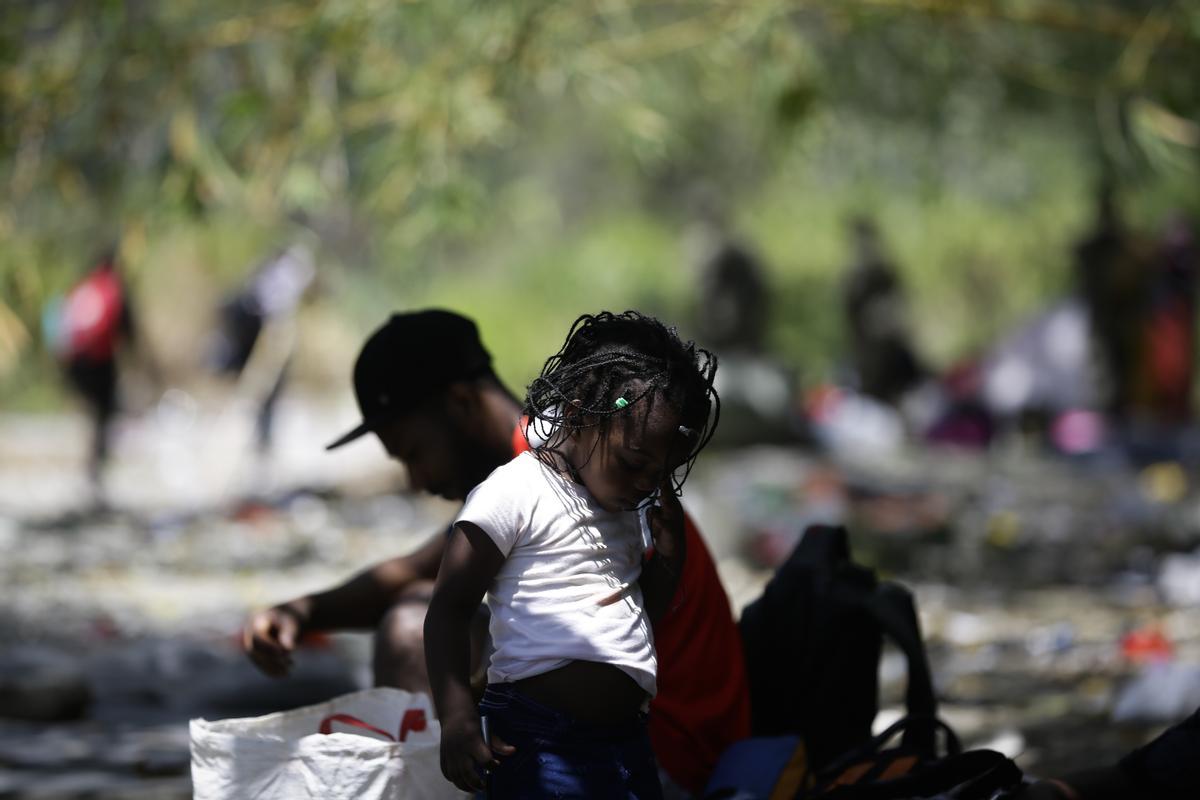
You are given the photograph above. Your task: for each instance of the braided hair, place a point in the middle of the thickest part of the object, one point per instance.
(608, 365)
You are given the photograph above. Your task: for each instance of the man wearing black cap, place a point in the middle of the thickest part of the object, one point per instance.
(426, 388)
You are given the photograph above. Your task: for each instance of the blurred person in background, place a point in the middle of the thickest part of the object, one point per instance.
(1110, 277)
(874, 307)
(734, 302)
(87, 331)
(731, 317)
(427, 391)
(1166, 364)
(243, 346)
(1168, 767)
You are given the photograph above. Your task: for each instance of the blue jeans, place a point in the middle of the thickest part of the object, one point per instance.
(560, 757)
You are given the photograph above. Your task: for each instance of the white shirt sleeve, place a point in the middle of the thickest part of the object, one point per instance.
(500, 506)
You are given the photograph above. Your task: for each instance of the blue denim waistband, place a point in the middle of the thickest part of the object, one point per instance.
(529, 716)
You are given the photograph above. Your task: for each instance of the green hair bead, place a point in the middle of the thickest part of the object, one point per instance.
(621, 402)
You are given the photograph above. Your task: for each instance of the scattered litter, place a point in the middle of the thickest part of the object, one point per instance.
(1161, 692)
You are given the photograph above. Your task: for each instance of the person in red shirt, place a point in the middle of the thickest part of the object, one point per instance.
(92, 324)
(426, 389)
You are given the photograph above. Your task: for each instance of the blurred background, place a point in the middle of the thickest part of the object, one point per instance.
(946, 253)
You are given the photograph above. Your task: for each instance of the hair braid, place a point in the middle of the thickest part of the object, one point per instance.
(632, 356)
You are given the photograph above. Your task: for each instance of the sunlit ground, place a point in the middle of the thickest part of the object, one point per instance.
(121, 622)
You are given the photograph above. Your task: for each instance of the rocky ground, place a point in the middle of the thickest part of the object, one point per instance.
(1058, 599)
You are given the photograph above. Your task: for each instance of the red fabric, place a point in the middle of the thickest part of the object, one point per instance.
(703, 702)
(519, 443)
(92, 316)
(1168, 355)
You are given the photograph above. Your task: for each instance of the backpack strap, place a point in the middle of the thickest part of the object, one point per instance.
(870, 749)
(973, 775)
(892, 607)
(1004, 774)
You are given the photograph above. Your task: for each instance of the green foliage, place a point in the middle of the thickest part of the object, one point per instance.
(525, 161)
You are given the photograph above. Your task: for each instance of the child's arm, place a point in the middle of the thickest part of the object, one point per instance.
(662, 571)
(469, 565)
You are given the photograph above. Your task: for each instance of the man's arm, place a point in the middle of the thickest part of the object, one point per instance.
(1105, 783)
(360, 603)
(1166, 768)
(363, 600)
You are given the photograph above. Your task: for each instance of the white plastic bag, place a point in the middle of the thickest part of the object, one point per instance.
(381, 744)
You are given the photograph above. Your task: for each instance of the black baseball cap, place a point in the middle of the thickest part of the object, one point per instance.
(412, 356)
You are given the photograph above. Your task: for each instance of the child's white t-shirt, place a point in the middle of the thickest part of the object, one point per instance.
(568, 589)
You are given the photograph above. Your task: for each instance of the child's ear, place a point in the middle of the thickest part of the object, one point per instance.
(573, 414)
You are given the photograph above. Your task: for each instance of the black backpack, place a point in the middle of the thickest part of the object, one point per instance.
(875, 771)
(813, 642)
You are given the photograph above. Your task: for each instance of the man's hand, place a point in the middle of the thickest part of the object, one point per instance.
(270, 636)
(1097, 783)
(465, 755)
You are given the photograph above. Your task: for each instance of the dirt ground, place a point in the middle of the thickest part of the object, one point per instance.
(1051, 593)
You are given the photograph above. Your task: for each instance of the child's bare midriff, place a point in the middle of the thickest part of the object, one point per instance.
(587, 690)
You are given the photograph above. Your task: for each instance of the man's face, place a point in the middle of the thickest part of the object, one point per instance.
(441, 458)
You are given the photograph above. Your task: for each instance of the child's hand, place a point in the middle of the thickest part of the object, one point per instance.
(465, 756)
(666, 522)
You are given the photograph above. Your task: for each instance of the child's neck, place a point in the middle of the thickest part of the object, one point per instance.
(561, 462)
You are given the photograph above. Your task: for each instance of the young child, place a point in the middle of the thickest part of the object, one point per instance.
(555, 539)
